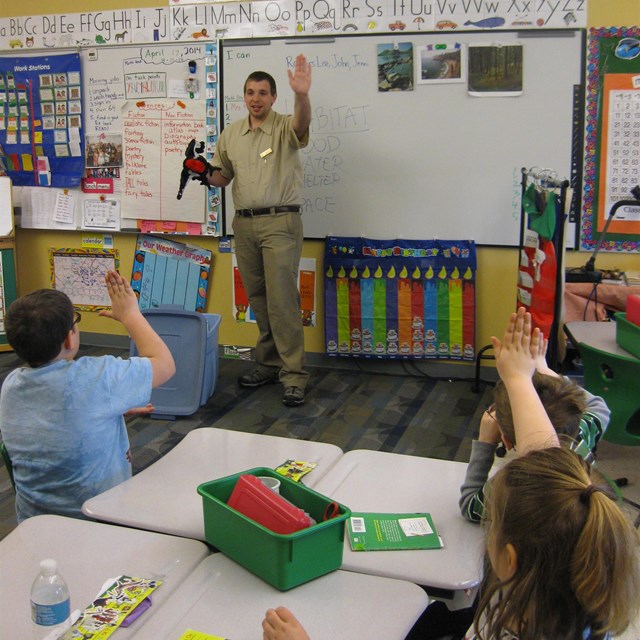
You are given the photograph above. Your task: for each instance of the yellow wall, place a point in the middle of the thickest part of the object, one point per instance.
(497, 268)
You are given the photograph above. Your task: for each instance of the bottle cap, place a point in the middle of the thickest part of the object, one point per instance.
(49, 567)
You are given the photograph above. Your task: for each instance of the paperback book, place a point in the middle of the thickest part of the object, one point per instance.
(392, 532)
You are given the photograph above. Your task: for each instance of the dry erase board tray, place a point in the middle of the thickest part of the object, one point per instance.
(192, 339)
(283, 560)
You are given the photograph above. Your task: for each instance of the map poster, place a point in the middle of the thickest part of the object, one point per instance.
(80, 274)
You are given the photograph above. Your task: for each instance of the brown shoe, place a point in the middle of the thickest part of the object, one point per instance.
(257, 378)
(293, 396)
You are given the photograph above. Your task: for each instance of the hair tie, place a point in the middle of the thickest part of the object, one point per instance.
(585, 494)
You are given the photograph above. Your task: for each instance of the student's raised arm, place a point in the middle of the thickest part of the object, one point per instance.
(124, 308)
(516, 358)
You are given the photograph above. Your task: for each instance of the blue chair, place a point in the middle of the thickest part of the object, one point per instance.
(615, 378)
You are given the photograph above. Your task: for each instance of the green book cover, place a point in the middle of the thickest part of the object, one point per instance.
(392, 532)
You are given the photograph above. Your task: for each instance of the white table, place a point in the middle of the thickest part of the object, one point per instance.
(222, 598)
(600, 335)
(88, 554)
(389, 482)
(164, 496)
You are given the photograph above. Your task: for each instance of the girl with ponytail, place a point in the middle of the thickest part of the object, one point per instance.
(564, 559)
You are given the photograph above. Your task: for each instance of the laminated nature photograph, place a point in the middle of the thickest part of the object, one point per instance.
(495, 70)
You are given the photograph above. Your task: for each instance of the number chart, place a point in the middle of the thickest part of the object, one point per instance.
(621, 147)
(612, 140)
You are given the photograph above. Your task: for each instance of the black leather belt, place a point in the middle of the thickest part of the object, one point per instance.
(249, 213)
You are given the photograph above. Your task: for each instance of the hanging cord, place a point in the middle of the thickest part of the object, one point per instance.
(593, 294)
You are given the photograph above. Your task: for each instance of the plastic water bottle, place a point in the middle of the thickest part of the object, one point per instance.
(50, 604)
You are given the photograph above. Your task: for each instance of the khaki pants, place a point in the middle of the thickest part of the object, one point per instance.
(268, 250)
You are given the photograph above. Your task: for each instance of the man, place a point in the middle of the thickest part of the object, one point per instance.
(260, 155)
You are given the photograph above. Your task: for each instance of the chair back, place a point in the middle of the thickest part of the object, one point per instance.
(615, 378)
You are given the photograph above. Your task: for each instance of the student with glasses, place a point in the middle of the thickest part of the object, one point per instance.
(61, 418)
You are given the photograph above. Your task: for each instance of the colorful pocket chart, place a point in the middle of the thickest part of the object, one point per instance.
(167, 272)
(400, 298)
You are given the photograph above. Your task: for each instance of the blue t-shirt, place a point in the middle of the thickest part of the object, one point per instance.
(64, 430)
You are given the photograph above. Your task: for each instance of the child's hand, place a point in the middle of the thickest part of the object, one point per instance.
(281, 624)
(541, 358)
(124, 302)
(516, 358)
(489, 428)
(140, 411)
(517, 354)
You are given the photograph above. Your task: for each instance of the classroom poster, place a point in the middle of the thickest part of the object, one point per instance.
(612, 151)
(620, 149)
(80, 274)
(395, 66)
(168, 272)
(41, 120)
(155, 136)
(242, 311)
(188, 21)
(400, 298)
(441, 62)
(495, 70)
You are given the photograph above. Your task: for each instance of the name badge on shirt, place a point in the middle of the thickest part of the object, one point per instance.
(266, 152)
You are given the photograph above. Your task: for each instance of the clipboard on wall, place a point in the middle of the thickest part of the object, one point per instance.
(8, 289)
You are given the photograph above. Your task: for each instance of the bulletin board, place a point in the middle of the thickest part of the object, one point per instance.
(138, 95)
(80, 274)
(429, 161)
(130, 112)
(41, 134)
(612, 150)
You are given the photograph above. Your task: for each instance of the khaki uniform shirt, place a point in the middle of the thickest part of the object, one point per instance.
(263, 164)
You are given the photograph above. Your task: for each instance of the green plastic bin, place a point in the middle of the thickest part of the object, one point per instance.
(284, 561)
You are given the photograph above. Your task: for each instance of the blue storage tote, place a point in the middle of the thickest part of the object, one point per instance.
(192, 339)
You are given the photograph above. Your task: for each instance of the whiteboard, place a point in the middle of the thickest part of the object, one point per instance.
(433, 162)
(140, 93)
